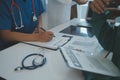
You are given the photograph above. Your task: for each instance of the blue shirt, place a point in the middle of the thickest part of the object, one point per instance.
(26, 7)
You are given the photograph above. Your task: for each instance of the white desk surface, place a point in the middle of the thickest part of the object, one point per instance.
(54, 69)
(63, 26)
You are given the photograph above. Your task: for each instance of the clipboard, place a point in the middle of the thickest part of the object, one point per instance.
(54, 44)
(80, 61)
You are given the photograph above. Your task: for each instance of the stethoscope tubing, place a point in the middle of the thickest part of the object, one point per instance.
(33, 66)
(14, 4)
(33, 62)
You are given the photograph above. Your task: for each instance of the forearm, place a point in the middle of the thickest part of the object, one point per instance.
(80, 1)
(40, 21)
(17, 36)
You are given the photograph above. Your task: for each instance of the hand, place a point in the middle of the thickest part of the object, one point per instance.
(37, 30)
(81, 1)
(98, 6)
(114, 14)
(44, 36)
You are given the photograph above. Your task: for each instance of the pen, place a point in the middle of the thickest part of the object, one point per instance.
(42, 29)
(45, 30)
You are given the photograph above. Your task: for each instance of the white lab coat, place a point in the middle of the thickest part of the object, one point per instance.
(58, 12)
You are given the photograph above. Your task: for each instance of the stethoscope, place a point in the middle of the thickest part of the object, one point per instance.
(38, 61)
(14, 4)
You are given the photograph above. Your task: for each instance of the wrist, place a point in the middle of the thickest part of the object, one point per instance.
(35, 37)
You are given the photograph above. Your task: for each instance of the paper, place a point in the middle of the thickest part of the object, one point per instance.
(80, 61)
(89, 46)
(54, 44)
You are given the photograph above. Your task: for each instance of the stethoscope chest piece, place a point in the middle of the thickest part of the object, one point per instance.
(34, 18)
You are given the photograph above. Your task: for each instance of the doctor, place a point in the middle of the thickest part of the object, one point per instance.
(20, 20)
(59, 11)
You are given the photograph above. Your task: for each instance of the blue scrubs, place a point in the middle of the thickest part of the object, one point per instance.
(6, 20)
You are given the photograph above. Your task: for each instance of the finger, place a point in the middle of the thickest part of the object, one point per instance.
(106, 2)
(100, 5)
(95, 9)
(49, 38)
(97, 6)
(50, 33)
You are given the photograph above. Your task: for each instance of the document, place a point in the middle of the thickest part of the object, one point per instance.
(85, 54)
(54, 44)
(79, 60)
(89, 46)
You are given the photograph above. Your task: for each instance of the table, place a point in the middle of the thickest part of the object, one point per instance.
(54, 69)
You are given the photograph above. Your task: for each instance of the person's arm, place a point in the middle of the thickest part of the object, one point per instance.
(98, 6)
(17, 36)
(38, 29)
(40, 21)
(43, 33)
(7, 34)
(80, 1)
